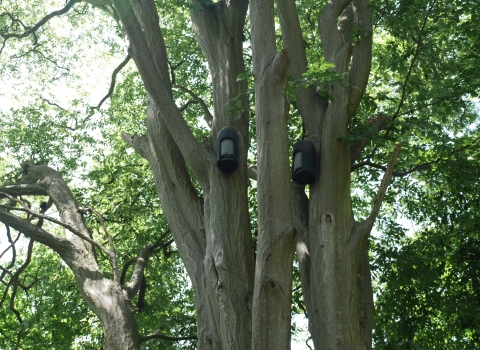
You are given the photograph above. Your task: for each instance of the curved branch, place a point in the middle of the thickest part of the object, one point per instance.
(113, 82)
(58, 222)
(39, 24)
(331, 37)
(155, 77)
(138, 272)
(127, 264)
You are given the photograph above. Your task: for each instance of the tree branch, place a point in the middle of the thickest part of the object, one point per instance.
(39, 24)
(23, 190)
(113, 81)
(361, 55)
(58, 222)
(155, 77)
(412, 63)
(252, 172)
(166, 337)
(362, 230)
(418, 167)
(112, 253)
(331, 37)
(384, 185)
(58, 244)
(309, 104)
(208, 116)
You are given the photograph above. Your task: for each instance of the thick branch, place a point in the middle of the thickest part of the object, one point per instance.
(58, 222)
(23, 190)
(273, 283)
(332, 39)
(155, 77)
(180, 203)
(309, 103)
(252, 172)
(58, 244)
(139, 144)
(362, 55)
(263, 35)
(67, 206)
(137, 276)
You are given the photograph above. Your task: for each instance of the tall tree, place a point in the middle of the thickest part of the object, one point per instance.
(242, 283)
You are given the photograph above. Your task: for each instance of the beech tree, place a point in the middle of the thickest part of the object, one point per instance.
(308, 64)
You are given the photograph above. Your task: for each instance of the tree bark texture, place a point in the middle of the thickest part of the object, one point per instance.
(246, 307)
(243, 302)
(107, 299)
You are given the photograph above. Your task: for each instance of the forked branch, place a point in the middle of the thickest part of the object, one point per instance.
(58, 222)
(31, 30)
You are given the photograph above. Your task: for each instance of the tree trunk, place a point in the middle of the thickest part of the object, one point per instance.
(109, 302)
(107, 299)
(242, 303)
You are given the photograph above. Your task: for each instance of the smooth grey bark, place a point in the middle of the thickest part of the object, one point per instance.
(242, 303)
(331, 245)
(220, 262)
(273, 272)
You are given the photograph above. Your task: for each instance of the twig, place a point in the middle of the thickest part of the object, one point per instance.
(416, 167)
(415, 55)
(208, 116)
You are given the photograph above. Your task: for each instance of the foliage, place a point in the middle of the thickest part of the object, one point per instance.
(424, 77)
